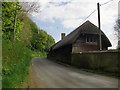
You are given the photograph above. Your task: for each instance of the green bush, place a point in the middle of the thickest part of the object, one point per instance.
(16, 59)
(39, 54)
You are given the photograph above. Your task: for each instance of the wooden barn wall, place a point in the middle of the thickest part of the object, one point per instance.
(81, 45)
(62, 54)
(84, 47)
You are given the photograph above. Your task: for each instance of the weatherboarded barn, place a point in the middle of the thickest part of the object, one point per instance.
(82, 39)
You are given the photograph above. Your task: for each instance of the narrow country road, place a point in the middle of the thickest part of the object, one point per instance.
(47, 74)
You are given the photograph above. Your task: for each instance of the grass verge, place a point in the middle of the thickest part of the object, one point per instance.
(16, 60)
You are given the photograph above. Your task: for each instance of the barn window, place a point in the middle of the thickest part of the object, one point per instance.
(87, 39)
(94, 40)
(90, 39)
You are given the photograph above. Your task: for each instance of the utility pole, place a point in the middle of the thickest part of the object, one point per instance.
(98, 7)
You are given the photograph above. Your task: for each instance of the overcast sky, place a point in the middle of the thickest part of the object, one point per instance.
(58, 16)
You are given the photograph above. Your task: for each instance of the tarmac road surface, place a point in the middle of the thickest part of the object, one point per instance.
(47, 74)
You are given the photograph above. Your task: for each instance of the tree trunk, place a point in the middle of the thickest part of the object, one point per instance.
(14, 27)
(15, 21)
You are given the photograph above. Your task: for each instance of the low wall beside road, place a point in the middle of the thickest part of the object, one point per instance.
(105, 60)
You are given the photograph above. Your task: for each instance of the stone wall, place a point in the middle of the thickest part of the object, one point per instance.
(104, 60)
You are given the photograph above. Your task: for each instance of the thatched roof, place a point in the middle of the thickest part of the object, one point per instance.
(87, 28)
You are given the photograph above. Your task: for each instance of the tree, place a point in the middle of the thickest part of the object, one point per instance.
(30, 7)
(17, 27)
(9, 18)
(41, 41)
(13, 10)
(24, 7)
(50, 42)
(117, 29)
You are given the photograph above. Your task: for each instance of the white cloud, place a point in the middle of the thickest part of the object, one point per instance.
(77, 9)
(114, 41)
(71, 23)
